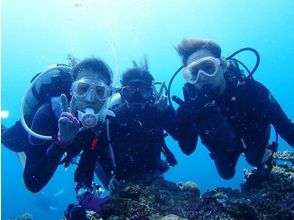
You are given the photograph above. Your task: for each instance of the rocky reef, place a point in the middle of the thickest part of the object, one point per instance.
(259, 198)
(149, 197)
(153, 198)
(286, 156)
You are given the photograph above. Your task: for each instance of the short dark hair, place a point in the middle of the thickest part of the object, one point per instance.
(189, 46)
(137, 73)
(93, 64)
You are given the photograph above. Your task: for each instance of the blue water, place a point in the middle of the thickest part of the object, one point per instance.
(36, 34)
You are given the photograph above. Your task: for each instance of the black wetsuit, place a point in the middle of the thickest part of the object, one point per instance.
(43, 157)
(137, 141)
(15, 137)
(237, 121)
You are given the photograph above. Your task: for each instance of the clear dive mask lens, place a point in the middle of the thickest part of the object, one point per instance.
(82, 88)
(130, 92)
(207, 66)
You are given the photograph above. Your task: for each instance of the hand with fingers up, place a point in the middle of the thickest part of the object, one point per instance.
(68, 124)
(161, 101)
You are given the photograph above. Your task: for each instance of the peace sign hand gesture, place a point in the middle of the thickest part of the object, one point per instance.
(161, 101)
(68, 124)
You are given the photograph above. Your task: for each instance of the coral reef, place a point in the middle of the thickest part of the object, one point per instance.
(259, 198)
(153, 197)
(287, 156)
(93, 216)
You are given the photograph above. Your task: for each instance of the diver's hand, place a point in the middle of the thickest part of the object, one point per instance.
(186, 111)
(68, 124)
(161, 101)
(114, 184)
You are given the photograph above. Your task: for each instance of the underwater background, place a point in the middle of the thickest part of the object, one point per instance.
(36, 34)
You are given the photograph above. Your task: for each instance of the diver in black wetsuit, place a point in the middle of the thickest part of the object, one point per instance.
(15, 138)
(53, 81)
(73, 127)
(136, 133)
(231, 113)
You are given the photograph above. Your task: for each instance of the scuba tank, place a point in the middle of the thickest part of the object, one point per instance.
(52, 82)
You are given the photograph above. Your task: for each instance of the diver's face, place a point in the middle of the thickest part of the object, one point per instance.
(204, 80)
(91, 91)
(137, 94)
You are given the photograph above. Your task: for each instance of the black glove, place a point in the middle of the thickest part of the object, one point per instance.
(191, 111)
(186, 111)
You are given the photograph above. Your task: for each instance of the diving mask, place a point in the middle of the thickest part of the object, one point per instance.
(88, 118)
(134, 93)
(82, 89)
(207, 66)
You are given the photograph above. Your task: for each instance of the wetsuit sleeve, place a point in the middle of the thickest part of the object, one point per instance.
(85, 170)
(275, 114)
(15, 138)
(43, 157)
(40, 166)
(186, 132)
(168, 121)
(95, 147)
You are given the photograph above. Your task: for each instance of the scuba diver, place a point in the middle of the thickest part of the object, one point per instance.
(230, 112)
(134, 137)
(57, 128)
(53, 81)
